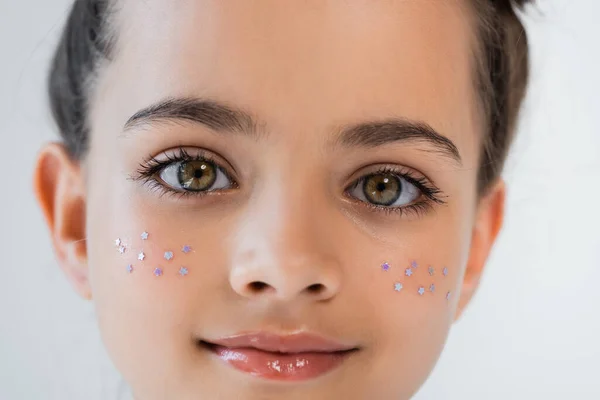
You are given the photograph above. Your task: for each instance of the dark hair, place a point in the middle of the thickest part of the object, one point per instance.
(502, 74)
(502, 78)
(84, 44)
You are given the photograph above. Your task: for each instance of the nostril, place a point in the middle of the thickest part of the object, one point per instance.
(258, 286)
(316, 288)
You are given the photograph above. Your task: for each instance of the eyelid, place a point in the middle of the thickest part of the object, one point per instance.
(175, 153)
(427, 188)
(148, 173)
(152, 165)
(397, 169)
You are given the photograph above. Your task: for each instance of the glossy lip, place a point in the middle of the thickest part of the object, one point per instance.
(292, 357)
(301, 342)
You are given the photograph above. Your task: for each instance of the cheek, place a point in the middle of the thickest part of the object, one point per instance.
(150, 292)
(405, 292)
(408, 313)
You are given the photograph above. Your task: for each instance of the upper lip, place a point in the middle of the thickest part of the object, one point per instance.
(301, 342)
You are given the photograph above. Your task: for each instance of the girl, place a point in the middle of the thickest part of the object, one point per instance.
(270, 199)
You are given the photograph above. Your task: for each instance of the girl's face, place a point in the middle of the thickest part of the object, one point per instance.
(320, 161)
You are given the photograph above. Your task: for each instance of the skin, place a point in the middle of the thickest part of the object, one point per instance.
(302, 69)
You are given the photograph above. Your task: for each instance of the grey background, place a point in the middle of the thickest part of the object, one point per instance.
(533, 331)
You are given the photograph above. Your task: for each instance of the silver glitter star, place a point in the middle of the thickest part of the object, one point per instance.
(408, 272)
(432, 288)
(118, 242)
(431, 270)
(445, 271)
(158, 272)
(385, 266)
(122, 249)
(186, 249)
(183, 271)
(144, 235)
(130, 268)
(141, 256)
(448, 296)
(398, 287)
(421, 290)
(168, 255)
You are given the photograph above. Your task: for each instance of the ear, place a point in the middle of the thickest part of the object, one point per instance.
(60, 192)
(490, 215)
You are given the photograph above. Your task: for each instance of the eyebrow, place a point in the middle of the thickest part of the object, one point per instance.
(379, 133)
(217, 116)
(223, 118)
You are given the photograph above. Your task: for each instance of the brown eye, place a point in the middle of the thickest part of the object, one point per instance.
(382, 189)
(194, 176)
(385, 189)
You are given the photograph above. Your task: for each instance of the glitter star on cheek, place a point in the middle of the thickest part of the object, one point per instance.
(432, 288)
(183, 271)
(130, 268)
(141, 256)
(431, 271)
(122, 249)
(158, 272)
(398, 287)
(445, 271)
(421, 290)
(413, 264)
(118, 242)
(385, 266)
(408, 272)
(186, 249)
(168, 255)
(144, 236)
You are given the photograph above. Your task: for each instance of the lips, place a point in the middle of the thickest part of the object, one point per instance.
(293, 357)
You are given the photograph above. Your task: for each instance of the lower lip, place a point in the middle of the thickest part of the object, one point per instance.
(280, 366)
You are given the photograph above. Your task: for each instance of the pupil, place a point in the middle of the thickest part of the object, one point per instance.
(198, 174)
(380, 187)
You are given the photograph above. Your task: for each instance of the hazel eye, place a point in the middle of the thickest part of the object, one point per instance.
(385, 189)
(194, 176)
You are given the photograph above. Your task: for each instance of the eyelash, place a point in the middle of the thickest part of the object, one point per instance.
(431, 193)
(149, 169)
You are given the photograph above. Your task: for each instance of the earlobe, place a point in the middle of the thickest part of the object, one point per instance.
(490, 216)
(60, 192)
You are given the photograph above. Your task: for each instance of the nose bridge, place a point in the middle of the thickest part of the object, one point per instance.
(296, 227)
(280, 250)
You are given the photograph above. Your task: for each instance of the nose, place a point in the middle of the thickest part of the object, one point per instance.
(282, 253)
(284, 279)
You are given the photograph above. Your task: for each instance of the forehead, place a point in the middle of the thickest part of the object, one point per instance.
(300, 63)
